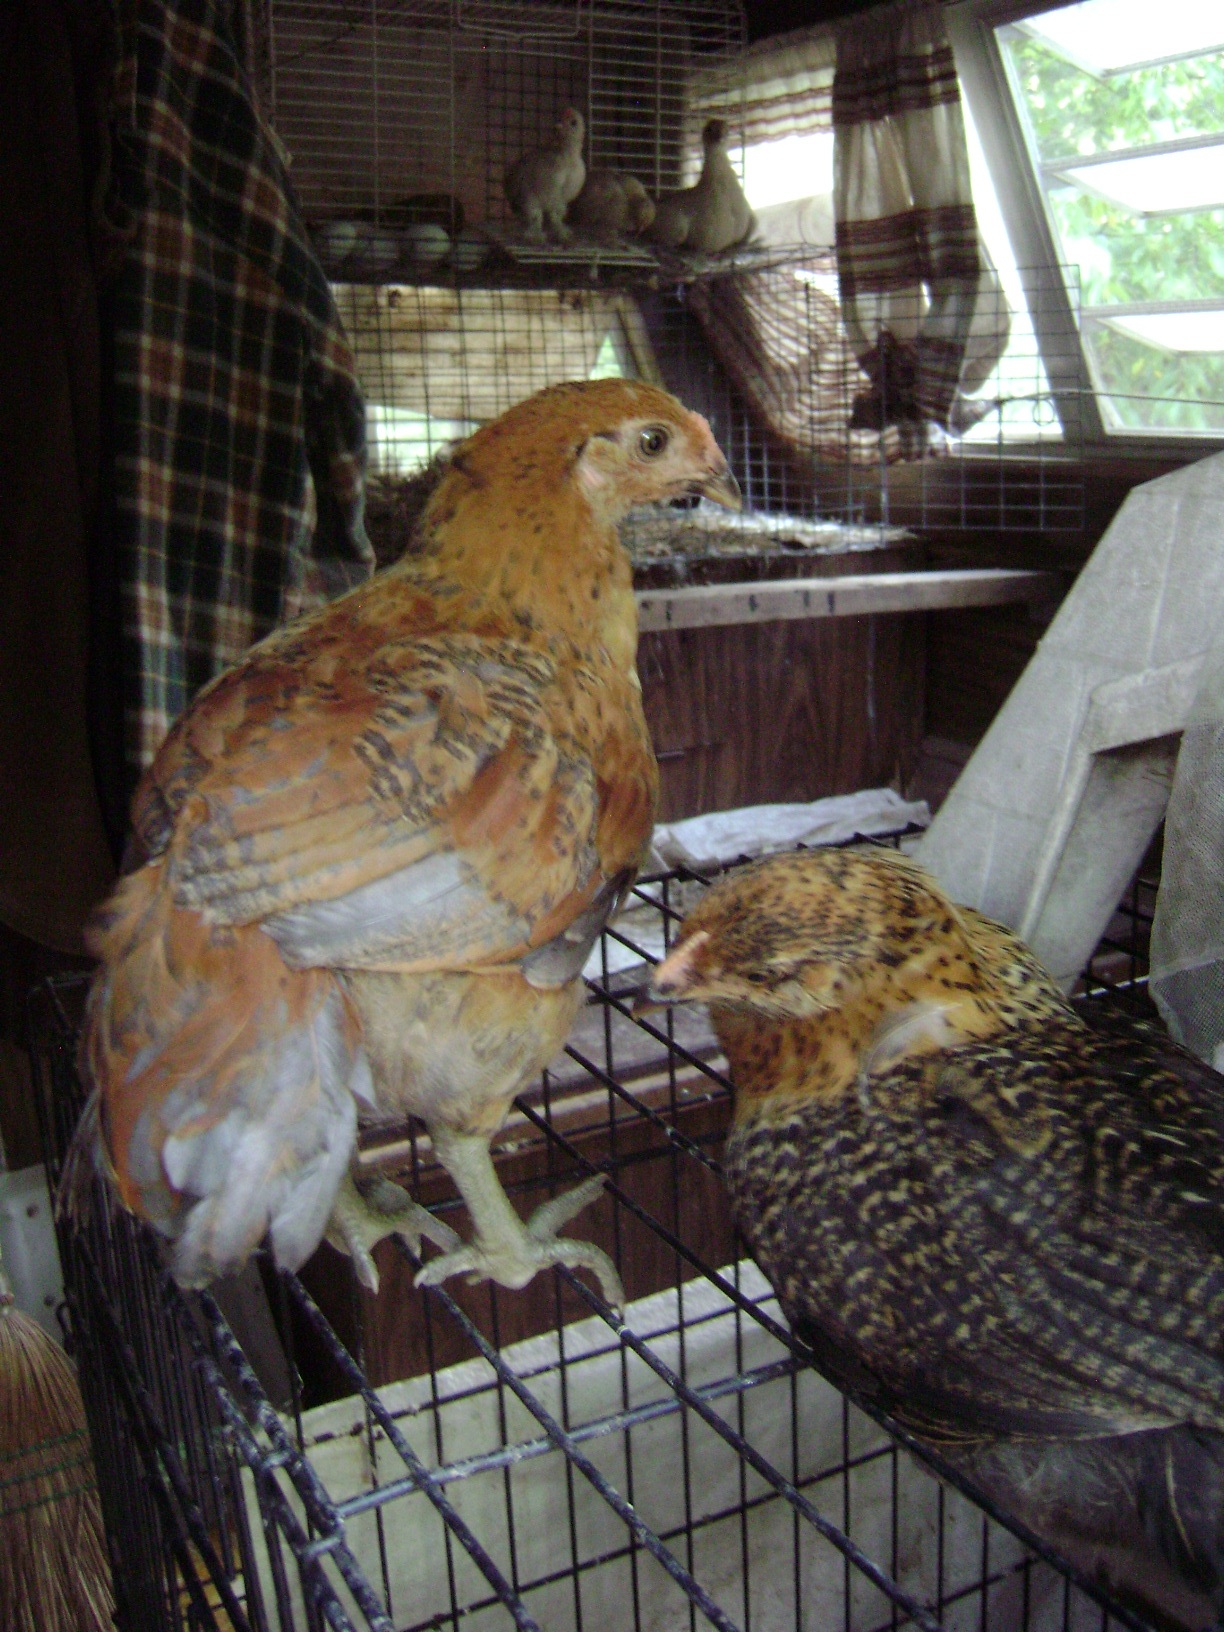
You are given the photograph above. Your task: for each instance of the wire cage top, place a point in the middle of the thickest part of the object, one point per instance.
(401, 121)
(478, 1459)
(385, 102)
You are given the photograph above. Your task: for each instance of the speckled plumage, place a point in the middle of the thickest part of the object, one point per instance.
(1003, 1224)
(611, 205)
(379, 848)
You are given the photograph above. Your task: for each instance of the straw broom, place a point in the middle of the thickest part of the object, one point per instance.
(54, 1573)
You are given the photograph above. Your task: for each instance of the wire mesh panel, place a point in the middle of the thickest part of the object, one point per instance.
(385, 100)
(760, 354)
(402, 118)
(468, 1457)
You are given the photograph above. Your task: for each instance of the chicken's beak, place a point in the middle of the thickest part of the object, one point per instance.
(721, 486)
(647, 1000)
(671, 981)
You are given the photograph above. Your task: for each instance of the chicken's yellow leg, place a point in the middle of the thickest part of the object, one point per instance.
(505, 1249)
(364, 1215)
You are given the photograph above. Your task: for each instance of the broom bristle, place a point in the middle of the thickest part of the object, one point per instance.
(54, 1573)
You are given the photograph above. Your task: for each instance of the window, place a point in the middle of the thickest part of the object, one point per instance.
(1122, 111)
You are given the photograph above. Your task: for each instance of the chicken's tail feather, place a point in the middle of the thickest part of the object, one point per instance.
(82, 1159)
(225, 1081)
(1182, 1505)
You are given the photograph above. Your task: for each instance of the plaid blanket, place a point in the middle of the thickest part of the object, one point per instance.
(239, 429)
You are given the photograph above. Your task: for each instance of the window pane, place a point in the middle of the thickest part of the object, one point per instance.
(795, 167)
(1175, 331)
(1104, 36)
(1144, 229)
(1124, 257)
(1157, 183)
(1149, 388)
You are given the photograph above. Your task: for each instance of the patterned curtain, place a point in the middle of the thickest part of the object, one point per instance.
(907, 243)
(917, 326)
(778, 87)
(239, 429)
(779, 335)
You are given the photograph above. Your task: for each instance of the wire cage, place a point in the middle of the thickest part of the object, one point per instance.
(401, 117)
(473, 1458)
(760, 353)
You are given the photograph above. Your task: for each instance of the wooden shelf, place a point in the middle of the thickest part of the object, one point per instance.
(707, 606)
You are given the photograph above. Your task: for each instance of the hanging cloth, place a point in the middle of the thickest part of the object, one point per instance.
(239, 430)
(55, 861)
(907, 241)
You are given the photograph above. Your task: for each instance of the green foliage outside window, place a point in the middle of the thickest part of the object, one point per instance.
(1077, 115)
(1124, 257)
(1154, 389)
(1128, 257)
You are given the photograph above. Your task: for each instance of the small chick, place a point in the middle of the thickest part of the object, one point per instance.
(713, 214)
(542, 184)
(612, 205)
(1002, 1225)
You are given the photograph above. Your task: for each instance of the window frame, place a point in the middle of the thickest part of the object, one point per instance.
(987, 89)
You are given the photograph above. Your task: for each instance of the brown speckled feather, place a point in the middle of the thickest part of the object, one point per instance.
(1021, 1237)
(442, 778)
(1000, 1222)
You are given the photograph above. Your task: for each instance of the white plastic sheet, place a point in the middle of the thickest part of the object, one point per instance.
(1187, 954)
(759, 830)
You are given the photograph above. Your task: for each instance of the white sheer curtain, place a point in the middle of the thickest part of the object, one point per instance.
(909, 264)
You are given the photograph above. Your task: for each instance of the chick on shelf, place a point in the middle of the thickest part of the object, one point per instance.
(542, 184)
(713, 215)
(612, 206)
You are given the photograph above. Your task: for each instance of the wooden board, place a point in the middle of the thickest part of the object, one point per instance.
(783, 710)
(853, 595)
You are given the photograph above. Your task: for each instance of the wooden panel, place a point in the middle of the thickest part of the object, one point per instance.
(973, 660)
(756, 714)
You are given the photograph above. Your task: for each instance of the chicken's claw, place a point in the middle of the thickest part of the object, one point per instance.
(514, 1260)
(364, 1215)
(550, 1216)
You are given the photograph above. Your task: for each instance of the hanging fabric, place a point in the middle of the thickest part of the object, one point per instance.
(778, 87)
(55, 861)
(781, 332)
(907, 241)
(779, 335)
(238, 425)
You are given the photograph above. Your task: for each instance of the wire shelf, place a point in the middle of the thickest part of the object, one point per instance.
(472, 1458)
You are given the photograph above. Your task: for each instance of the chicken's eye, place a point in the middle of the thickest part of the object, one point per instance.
(652, 441)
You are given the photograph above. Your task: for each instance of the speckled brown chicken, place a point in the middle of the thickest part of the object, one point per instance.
(377, 853)
(1002, 1225)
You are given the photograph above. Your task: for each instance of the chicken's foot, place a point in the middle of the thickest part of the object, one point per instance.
(505, 1249)
(365, 1214)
